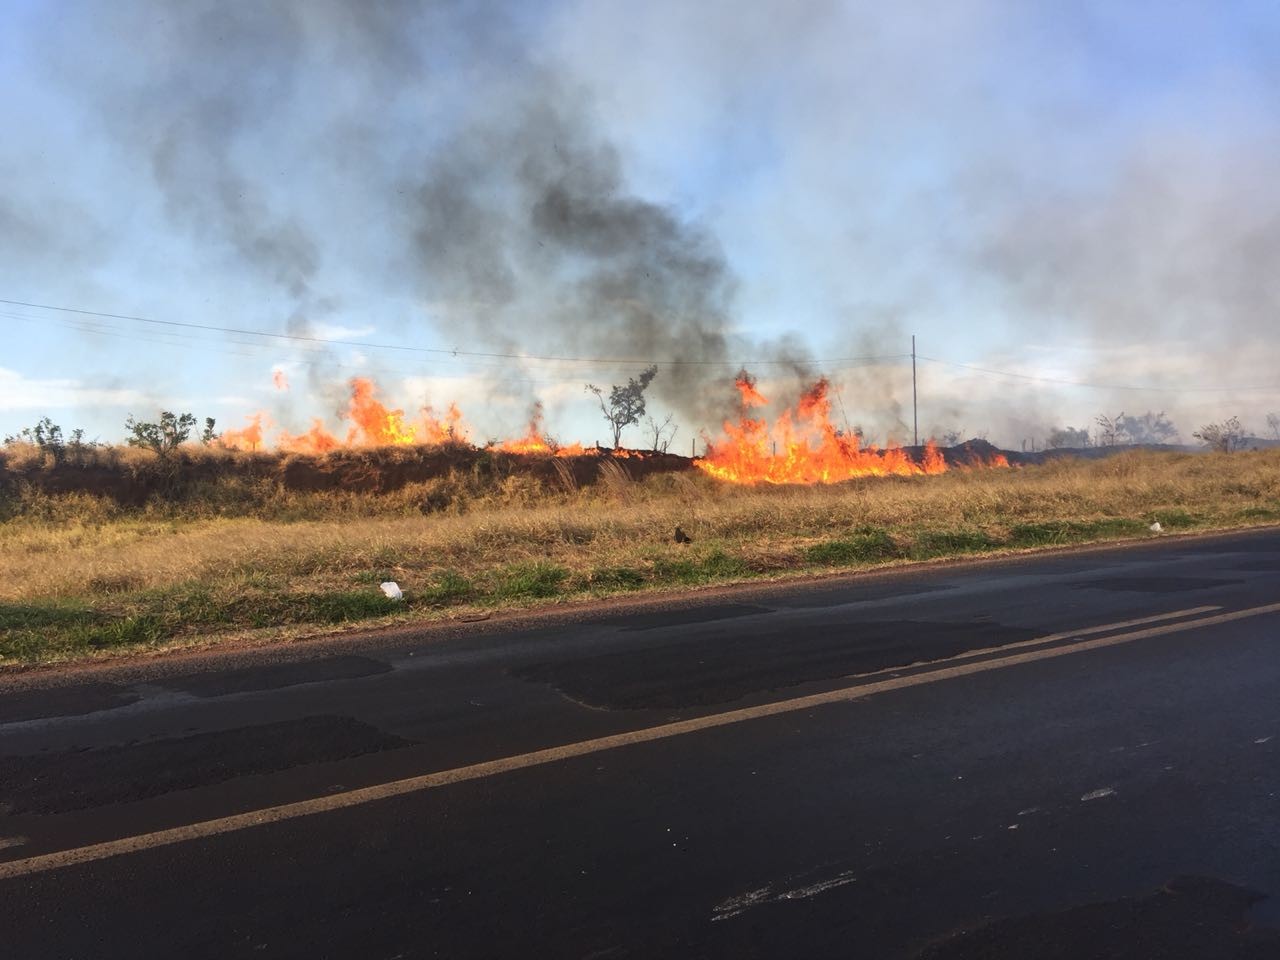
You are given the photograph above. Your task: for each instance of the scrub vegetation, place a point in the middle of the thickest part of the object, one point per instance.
(242, 556)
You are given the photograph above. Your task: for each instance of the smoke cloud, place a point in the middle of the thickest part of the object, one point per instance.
(678, 185)
(529, 238)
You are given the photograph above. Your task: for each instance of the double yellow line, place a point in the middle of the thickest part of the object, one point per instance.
(970, 662)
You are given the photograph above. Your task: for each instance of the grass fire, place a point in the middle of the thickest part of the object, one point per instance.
(261, 536)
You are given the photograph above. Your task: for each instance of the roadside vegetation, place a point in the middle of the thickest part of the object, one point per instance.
(84, 575)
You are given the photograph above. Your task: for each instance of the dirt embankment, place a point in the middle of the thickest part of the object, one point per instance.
(133, 477)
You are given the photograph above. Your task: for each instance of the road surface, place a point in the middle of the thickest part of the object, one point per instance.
(1066, 755)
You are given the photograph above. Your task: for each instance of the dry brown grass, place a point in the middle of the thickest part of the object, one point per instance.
(523, 542)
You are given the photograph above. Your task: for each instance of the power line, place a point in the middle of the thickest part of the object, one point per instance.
(257, 350)
(254, 350)
(439, 351)
(175, 326)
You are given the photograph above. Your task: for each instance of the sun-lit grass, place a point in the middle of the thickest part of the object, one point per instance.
(79, 574)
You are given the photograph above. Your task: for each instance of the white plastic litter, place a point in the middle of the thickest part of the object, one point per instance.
(392, 590)
(1156, 528)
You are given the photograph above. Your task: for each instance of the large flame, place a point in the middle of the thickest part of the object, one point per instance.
(803, 446)
(246, 438)
(371, 425)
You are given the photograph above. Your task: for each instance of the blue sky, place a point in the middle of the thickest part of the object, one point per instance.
(1078, 192)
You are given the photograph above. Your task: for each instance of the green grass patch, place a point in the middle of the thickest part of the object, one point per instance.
(45, 616)
(869, 546)
(946, 543)
(344, 606)
(1260, 513)
(1054, 532)
(1175, 519)
(449, 587)
(718, 565)
(124, 631)
(615, 578)
(519, 581)
(667, 570)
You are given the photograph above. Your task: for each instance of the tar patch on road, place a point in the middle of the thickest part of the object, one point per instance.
(1192, 917)
(276, 675)
(79, 779)
(678, 618)
(64, 701)
(727, 667)
(1155, 584)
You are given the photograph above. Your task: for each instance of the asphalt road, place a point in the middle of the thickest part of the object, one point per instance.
(1071, 755)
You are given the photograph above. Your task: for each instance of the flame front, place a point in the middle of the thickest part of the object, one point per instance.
(246, 438)
(372, 425)
(803, 446)
(535, 439)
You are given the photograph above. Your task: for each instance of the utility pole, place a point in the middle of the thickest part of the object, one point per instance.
(915, 412)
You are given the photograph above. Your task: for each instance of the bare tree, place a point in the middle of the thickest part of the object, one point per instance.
(1068, 438)
(1273, 424)
(658, 431)
(625, 404)
(1224, 437)
(1109, 429)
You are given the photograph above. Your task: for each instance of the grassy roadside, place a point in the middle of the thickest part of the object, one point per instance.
(81, 578)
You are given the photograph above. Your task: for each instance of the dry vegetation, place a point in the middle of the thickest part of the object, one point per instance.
(81, 574)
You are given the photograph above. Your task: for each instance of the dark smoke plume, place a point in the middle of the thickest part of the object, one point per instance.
(519, 232)
(529, 238)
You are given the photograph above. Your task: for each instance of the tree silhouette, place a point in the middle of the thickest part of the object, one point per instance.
(625, 404)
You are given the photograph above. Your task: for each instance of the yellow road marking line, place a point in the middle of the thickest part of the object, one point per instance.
(1037, 641)
(489, 768)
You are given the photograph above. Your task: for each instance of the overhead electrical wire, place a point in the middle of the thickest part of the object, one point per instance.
(439, 351)
(181, 341)
(175, 332)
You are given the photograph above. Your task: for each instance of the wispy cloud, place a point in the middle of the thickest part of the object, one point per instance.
(336, 331)
(18, 392)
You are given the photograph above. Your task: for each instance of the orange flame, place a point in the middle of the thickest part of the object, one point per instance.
(450, 429)
(315, 440)
(803, 446)
(280, 380)
(372, 425)
(536, 441)
(248, 438)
